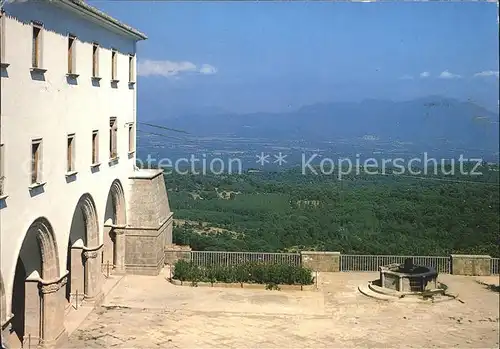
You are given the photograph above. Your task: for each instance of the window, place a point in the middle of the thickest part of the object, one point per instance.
(37, 46)
(2, 38)
(113, 65)
(131, 138)
(36, 150)
(95, 60)
(70, 150)
(112, 138)
(95, 147)
(71, 55)
(131, 74)
(2, 173)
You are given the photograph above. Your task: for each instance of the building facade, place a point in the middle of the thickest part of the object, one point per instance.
(72, 201)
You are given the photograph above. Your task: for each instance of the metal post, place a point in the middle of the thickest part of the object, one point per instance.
(29, 341)
(76, 299)
(107, 269)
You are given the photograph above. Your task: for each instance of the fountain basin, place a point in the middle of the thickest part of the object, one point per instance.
(408, 277)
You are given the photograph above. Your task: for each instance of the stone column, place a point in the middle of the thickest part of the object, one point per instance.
(119, 250)
(93, 274)
(52, 308)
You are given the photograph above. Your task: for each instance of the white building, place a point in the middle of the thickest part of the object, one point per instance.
(72, 202)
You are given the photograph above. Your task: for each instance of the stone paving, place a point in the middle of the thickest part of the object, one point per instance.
(149, 312)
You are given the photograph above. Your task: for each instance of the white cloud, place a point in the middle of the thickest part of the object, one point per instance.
(168, 69)
(406, 77)
(425, 74)
(487, 73)
(208, 69)
(447, 75)
(163, 68)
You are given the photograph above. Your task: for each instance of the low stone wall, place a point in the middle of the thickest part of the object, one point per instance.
(477, 265)
(321, 261)
(173, 253)
(318, 261)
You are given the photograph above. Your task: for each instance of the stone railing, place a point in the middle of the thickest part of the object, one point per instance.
(337, 262)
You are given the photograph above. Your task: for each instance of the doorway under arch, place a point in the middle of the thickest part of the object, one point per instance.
(114, 216)
(83, 242)
(37, 265)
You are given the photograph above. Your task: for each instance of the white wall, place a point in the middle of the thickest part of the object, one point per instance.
(52, 109)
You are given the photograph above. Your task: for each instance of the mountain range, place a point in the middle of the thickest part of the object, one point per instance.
(431, 121)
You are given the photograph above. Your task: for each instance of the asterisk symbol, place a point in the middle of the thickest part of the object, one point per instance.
(280, 159)
(262, 159)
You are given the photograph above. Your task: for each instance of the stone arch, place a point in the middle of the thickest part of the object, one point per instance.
(83, 244)
(117, 196)
(115, 217)
(41, 229)
(37, 274)
(86, 210)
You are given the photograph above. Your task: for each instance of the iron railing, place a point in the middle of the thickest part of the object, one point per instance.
(235, 258)
(494, 265)
(372, 263)
(347, 262)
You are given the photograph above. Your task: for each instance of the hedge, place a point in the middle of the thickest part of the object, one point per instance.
(249, 272)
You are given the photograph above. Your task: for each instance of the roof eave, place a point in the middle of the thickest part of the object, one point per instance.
(95, 13)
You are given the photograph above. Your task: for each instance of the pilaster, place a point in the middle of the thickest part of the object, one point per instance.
(53, 301)
(93, 275)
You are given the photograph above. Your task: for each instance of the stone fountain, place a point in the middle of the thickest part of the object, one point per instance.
(406, 281)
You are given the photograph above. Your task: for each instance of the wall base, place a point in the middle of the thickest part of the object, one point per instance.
(144, 249)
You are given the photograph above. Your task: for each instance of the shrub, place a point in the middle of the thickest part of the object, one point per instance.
(249, 272)
(182, 271)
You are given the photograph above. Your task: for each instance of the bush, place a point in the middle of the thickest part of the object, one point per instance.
(250, 272)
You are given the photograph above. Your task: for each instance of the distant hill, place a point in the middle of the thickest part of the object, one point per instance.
(432, 120)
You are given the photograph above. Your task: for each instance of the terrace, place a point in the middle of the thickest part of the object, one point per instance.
(149, 312)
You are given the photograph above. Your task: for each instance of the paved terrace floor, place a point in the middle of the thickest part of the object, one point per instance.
(149, 312)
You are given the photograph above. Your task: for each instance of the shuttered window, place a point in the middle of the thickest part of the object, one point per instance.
(37, 46)
(95, 147)
(71, 55)
(36, 146)
(113, 129)
(95, 60)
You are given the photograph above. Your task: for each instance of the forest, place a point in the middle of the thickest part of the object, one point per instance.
(360, 214)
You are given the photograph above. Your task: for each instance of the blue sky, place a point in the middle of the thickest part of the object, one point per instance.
(270, 56)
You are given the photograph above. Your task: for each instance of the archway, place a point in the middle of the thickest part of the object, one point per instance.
(83, 246)
(114, 218)
(35, 302)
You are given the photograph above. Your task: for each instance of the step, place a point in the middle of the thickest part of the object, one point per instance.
(385, 291)
(365, 290)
